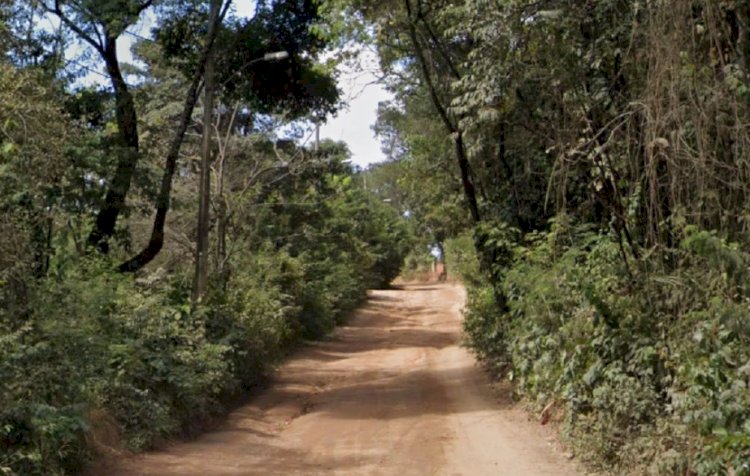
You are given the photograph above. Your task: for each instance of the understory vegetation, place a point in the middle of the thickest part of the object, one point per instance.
(94, 352)
(106, 341)
(584, 166)
(648, 376)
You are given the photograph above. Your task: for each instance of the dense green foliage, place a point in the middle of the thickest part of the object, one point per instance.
(92, 358)
(582, 164)
(651, 374)
(596, 154)
(94, 347)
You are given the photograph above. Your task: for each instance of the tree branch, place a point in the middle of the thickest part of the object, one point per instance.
(438, 44)
(57, 10)
(156, 241)
(450, 124)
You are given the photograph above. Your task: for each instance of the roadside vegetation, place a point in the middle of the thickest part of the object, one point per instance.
(581, 165)
(584, 166)
(103, 341)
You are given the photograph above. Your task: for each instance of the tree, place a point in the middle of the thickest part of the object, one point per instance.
(34, 139)
(204, 193)
(156, 240)
(288, 81)
(100, 24)
(420, 180)
(295, 88)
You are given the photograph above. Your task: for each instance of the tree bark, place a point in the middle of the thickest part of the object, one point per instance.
(127, 125)
(201, 252)
(156, 241)
(468, 185)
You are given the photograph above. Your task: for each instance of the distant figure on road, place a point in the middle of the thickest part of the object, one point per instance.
(438, 264)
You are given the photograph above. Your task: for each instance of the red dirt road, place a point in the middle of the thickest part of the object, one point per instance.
(390, 393)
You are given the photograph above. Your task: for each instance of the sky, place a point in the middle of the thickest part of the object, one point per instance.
(360, 89)
(359, 86)
(353, 124)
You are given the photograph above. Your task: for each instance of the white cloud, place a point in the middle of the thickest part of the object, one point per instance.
(353, 125)
(244, 8)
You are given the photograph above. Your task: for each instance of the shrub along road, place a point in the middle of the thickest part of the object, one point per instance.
(392, 392)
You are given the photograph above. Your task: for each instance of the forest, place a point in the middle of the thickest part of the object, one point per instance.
(591, 188)
(171, 232)
(102, 324)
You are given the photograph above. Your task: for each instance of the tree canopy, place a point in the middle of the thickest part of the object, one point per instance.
(99, 189)
(599, 148)
(583, 166)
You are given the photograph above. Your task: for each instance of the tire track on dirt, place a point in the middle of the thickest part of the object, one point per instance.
(391, 392)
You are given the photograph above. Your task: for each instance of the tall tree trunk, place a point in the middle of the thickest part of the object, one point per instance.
(201, 252)
(466, 182)
(127, 125)
(156, 241)
(450, 124)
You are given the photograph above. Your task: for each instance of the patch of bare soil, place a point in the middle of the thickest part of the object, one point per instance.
(392, 392)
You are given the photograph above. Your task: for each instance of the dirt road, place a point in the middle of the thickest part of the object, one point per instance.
(391, 393)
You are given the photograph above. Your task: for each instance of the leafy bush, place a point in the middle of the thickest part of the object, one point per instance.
(461, 260)
(81, 344)
(134, 350)
(99, 340)
(254, 314)
(486, 329)
(652, 372)
(417, 265)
